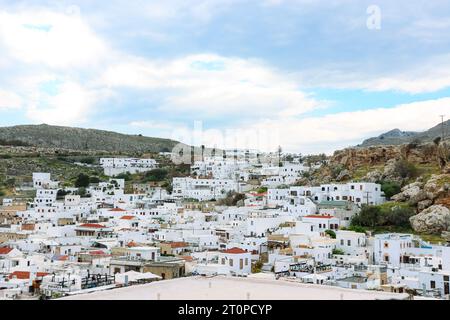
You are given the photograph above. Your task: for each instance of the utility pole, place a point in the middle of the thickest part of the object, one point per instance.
(442, 127)
(367, 196)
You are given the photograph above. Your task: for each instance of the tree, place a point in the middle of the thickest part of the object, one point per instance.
(368, 217)
(87, 160)
(262, 190)
(168, 186)
(338, 251)
(405, 169)
(390, 188)
(126, 176)
(61, 193)
(387, 215)
(82, 181)
(156, 175)
(399, 216)
(331, 233)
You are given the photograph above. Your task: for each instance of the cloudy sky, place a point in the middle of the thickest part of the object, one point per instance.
(310, 75)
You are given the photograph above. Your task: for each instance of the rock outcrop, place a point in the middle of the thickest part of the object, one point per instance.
(344, 175)
(412, 193)
(428, 153)
(432, 220)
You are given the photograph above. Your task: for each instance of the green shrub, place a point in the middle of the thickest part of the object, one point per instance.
(405, 169)
(156, 175)
(390, 188)
(262, 190)
(82, 181)
(388, 215)
(87, 160)
(331, 233)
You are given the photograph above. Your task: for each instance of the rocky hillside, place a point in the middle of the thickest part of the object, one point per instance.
(46, 136)
(397, 137)
(427, 153)
(416, 175)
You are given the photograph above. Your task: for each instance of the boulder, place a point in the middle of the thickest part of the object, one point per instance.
(432, 220)
(373, 176)
(437, 186)
(389, 168)
(412, 193)
(344, 175)
(422, 205)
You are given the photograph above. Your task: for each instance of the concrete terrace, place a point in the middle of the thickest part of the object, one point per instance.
(232, 288)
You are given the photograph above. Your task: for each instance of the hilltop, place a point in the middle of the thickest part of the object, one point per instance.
(47, 136)
(398, 137)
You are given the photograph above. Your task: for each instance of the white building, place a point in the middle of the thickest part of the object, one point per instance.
(204, 189)
(115, 166)
(237, 260)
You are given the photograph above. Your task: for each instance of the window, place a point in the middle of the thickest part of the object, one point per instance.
(342, 242)
(349, 243)
(231, 262)
(433, 284)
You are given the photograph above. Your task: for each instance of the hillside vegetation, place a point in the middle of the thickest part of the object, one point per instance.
(81, 139)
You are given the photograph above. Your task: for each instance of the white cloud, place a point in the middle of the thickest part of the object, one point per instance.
(336, 131)
(430, 75)
(213, 85)
(71, 105)
(9, 100)
(54, 39)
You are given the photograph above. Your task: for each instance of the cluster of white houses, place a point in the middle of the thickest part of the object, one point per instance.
(115, 166)
(63, 243)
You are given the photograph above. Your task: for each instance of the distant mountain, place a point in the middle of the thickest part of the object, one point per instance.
(82, 139)
(396, 136)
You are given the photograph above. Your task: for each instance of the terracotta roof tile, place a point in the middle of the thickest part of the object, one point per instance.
(5, 250)
(234, 251)
(92, 225)
(25, 275)
(127, 217)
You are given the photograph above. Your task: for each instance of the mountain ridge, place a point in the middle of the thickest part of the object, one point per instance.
(50, 136)
(398, 137)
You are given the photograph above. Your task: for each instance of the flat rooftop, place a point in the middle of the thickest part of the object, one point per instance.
(233, 288)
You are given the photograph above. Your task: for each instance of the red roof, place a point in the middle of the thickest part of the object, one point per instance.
(178, 244)
(5, 250)
(25, 274)
(319, 216)
(127, 217)
(132, 244)
(97, 252)
(234, 251)
(263, 194)
(92, 225)
(117, 210)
